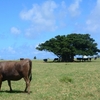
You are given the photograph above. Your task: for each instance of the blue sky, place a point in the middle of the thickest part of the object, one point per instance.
(26, 23)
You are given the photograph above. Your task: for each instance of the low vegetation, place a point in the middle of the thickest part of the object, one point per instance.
(58, 81)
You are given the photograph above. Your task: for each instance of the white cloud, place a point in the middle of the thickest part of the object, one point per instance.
(74, 8)
(41, 16)
(49, 16)
(15, 31)
(93, 22)
(11, 50)
(7, 52)
(24, 50)
(39, 12)
(44, 17)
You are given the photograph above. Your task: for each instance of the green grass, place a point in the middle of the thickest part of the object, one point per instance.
(58, 81)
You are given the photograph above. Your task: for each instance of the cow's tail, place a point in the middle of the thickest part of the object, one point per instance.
(30, 70)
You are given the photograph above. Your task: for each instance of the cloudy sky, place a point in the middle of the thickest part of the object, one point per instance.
(26, 23)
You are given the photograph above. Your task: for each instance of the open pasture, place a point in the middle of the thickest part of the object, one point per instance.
(58, 81)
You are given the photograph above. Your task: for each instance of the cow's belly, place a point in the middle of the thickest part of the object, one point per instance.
(11, 77)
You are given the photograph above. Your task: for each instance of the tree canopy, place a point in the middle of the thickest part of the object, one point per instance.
(67, 46)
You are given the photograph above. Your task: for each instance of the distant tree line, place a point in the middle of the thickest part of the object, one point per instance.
(67, 46)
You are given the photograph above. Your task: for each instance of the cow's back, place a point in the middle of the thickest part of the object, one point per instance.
(6, 66)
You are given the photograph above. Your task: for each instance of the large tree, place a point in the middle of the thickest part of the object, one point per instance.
(67, 46)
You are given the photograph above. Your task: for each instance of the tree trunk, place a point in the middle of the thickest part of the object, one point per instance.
(67, 58)
(72, 58)
(64, 58)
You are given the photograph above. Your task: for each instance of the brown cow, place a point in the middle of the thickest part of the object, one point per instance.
(15, 70)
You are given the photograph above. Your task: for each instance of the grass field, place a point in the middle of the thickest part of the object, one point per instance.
(58, 81)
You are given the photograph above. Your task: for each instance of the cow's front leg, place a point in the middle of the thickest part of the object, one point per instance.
(9, 83)
(0, 81)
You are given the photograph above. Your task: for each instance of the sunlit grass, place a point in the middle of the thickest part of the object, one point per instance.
(58, 81)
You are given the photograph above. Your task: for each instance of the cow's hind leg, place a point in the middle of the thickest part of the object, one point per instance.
(27, 89)
(0, 84)
(9, 83)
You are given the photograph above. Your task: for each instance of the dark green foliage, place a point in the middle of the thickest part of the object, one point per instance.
(83, 44)
(66, 47)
